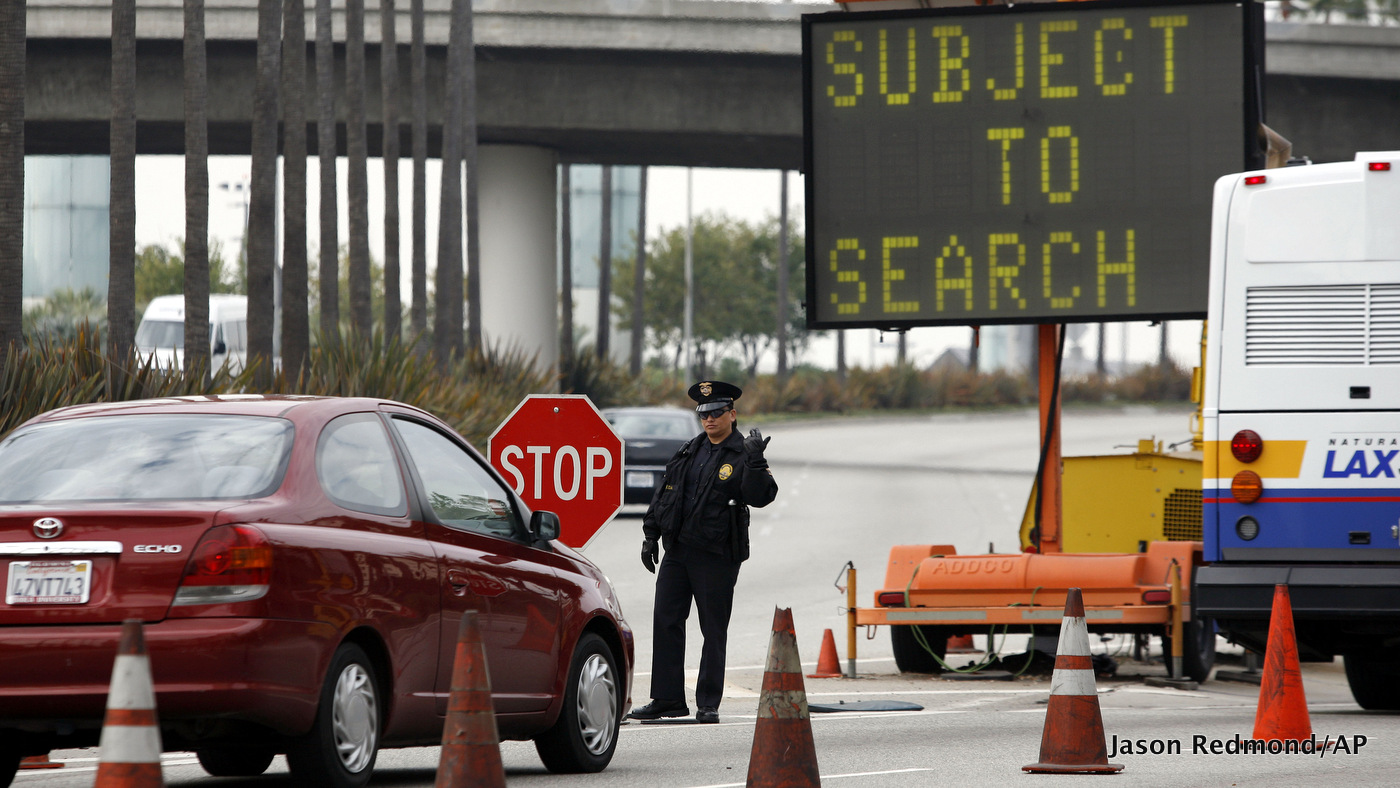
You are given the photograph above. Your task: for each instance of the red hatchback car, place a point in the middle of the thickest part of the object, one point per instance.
(301, 565)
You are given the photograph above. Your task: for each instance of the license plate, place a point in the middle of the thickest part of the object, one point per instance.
(639, 479)
(49, 583)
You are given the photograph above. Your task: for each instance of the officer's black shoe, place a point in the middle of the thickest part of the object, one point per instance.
(661, 708)
(707, 714)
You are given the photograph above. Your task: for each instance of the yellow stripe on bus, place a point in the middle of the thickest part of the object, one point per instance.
(1279, 460)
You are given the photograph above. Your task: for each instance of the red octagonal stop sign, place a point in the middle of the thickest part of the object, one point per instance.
(562, 456)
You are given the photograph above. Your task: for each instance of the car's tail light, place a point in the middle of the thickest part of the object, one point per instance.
(890, 599)
(232, 563)
(1246, 446)
(1247, 487)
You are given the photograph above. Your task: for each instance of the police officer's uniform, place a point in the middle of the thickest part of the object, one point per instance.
(700, 514)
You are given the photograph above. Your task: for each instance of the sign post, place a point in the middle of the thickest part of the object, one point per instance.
(560, 455)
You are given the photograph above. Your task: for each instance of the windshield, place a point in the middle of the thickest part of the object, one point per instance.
(152, 334)
(680, 425)
(145, 457)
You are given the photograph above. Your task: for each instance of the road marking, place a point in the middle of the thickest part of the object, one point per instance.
(832, 776)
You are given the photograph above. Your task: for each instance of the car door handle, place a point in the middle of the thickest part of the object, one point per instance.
(459, 581)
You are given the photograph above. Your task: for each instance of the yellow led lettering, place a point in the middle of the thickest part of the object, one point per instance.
(892, 275)
(845, 68)
(1048, 59)
(1064, 239)
(953, 79)
(1003, 277)
(1059, 132)
(848, 277)
(1005, 136)
(1126, 268)
(1126, 33)
(953, 253)
(896, 98)
(1168, 26)
(1009, 94)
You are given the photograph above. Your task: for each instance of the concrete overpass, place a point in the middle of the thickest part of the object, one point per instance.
(651, 82)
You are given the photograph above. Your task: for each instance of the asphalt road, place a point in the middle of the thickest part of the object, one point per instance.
(849, 489)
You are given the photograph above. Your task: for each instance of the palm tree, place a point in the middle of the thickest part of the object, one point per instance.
(447, 316)
(196, 99)
(121, 287)
(418, 76)
(326, 148)
(296, 331)
(389, 92)
(262, 209)
(639, 276)
(13, 29)
(469, 155)
(605, 266)
(361, 313)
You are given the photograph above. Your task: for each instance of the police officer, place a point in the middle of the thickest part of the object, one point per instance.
(701, 514)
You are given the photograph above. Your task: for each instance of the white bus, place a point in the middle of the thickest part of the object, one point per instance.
(1301, 476)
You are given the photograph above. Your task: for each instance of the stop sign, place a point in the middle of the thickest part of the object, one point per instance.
(562, 456)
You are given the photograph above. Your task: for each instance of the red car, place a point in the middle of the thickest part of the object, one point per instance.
(301, 565)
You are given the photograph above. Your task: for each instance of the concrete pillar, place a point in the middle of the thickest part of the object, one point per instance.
(519, 281)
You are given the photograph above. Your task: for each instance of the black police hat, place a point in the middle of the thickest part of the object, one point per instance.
(714, 395)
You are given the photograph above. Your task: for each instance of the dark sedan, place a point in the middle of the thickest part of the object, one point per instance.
(652, 436)
(301, 566)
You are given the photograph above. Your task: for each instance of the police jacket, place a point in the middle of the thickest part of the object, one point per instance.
(719, 520)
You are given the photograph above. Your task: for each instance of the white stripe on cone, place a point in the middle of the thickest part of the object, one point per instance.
(1074, 642)
(131, 690)
(1074, 637)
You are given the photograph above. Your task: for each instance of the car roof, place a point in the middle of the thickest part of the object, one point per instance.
(275, 405)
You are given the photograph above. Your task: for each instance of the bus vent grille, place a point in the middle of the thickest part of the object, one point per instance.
(1341, 325)
(1181, 516)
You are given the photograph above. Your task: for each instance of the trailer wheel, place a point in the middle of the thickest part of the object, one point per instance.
(1197, 649)
(1372, 679)
(910, 656)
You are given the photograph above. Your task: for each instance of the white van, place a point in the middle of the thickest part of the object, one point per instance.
(162, 331)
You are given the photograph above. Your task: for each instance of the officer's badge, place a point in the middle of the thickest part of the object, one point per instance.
(705, 389)
(725, 471)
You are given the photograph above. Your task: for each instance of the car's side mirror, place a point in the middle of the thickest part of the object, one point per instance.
(544, 526)
(220, 348)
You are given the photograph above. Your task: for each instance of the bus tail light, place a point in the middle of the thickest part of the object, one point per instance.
(1246, 446)
(1247, 487)
(1256, 180)
(1379, 166)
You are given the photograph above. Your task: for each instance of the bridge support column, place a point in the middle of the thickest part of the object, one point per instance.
(518, 197)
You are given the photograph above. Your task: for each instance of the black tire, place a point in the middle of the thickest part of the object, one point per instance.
(1371, 676)
(343, 744)
(910, 656)
(585, 735)
(235, 761)
(1197, 649)
(10, 757)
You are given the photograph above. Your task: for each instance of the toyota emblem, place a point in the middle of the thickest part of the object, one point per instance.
(48, 527)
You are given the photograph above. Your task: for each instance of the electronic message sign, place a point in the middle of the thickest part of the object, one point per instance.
(1035, 163)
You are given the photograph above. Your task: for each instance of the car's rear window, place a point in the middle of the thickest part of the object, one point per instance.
(680, 426)
(145, 457)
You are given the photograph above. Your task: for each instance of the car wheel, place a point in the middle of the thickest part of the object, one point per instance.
(1371, 676)
(235, 761)
(910, 656)
(9, 764)
(585, 735)
(340, 750)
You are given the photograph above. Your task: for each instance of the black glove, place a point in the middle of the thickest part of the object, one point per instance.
(756, 443)
(650, 555)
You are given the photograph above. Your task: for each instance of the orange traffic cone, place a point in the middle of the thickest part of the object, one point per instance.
(130, 745)
(784, 755)
(1283, 709)
(471, 749)
(961, 644)
(1073, 739)
(39, 762)
(828, 664)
